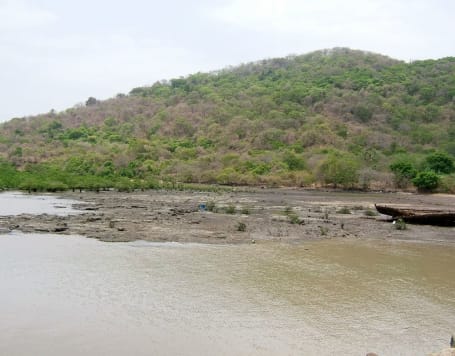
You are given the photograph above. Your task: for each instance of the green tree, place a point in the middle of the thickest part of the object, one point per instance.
(404, 172)
(91, 101)
(8, 176)
(440, 162)
(293, 161)
(426, 181)
(108, 169)
(339, 169)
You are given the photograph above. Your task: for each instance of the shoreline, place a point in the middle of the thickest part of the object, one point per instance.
(284, 214)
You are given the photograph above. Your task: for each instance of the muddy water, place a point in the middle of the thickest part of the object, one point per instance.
(15, 203)
(76, 296)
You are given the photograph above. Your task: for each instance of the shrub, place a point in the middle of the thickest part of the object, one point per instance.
(447, 184)
(339, 169)
(55, 186)
(125, 185)
(370, 212)
(426, 181)
(404, 172)
(344, 210)
(294, 218)
(362, 113)
(230, 209)
(440, 162)
(400, 225)
(211, 206)
(241, 227)
(293, 161)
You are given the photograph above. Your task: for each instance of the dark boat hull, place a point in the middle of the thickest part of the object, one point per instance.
(416, 216)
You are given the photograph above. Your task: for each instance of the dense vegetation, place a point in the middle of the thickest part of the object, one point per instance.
(334, 117)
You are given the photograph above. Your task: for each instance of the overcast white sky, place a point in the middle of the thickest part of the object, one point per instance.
(55, 54)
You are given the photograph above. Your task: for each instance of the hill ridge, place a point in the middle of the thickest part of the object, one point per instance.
(279, 121)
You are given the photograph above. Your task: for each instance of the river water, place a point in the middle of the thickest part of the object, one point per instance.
(69, 295)
(14, 203)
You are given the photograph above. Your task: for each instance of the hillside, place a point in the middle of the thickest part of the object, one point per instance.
(337, 116)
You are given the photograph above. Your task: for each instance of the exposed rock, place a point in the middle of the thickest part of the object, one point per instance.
(174, 216)
(42, 229)
(446, 352)
(61, 227)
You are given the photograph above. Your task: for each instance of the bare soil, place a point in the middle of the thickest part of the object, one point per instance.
(288, 215)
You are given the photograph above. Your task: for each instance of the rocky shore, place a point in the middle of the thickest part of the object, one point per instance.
(446, 352)
(248, 216)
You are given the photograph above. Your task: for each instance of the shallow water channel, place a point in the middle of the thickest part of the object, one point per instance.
(69, 295)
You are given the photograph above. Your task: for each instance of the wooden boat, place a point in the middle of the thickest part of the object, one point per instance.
(419, 216)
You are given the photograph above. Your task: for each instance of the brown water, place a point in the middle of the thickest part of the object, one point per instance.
(76, 296)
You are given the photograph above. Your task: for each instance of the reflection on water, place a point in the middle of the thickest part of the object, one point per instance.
(14, 203)
(76, 296)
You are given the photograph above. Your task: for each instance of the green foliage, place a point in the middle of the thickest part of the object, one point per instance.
(362, 113)
(91, 101)
(344, 210)
(447, 184)
(404, 171)
(241, 226)
(257, 168)
(230, 209)
(79, 166)
(426, 181)
(108, 169)
(9, 177)
(440, 162)
(400, 224)
(404, 168)
(17, 152)
(293, 218)
(288, 210)
(211, 206)
(293, 161)
(124, 184)
(321, 118)
(370, 212)
(339, 169)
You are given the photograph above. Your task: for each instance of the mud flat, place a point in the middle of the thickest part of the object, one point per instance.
(244, 216)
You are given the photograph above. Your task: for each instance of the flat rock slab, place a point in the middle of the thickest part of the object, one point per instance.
(272, 214)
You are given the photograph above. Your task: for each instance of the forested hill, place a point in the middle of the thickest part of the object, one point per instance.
(337, 116)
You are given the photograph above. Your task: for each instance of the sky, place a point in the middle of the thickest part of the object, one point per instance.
(55, 54)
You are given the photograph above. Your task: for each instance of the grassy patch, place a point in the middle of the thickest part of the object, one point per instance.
(400, 225)
(344, 210)
(211, 206)
(370, 212)
(230, 209)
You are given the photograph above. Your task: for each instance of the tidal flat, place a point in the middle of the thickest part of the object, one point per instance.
(243, 216)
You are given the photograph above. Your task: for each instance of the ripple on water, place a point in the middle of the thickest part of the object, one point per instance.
(74, 296)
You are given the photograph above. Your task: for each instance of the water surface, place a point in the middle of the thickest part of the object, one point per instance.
(76, 296)
(15, 203)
